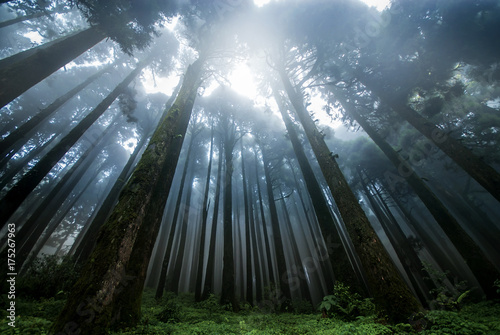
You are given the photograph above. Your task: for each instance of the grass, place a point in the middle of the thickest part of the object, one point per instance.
(182, 315)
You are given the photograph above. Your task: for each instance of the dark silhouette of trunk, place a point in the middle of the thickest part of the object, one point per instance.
(34, 226)
(30, 180)
(264, 225)
(284, 293)
(112, 280)
(32, 16)
(484, 174)
(255, 238)
(340, 262)
(406, 254)
(21, 71)
(480, 265)
(19, 164)
(248, 247)
(209, 277)
(13, 143)
(388, 288)
(53, 222)
(228, 294)
(168, 250)
(204, 222)
(297, 272)
(86, 239)
(174, 280)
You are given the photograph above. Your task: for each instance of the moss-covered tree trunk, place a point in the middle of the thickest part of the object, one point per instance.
(23, 70)
(484, 270)
(384, 281)
(109, 290)
(14, 198)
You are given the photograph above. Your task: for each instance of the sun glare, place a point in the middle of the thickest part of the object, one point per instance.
(242, 81)
(379, 4)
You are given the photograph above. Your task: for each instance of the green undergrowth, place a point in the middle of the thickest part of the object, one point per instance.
(182, 315)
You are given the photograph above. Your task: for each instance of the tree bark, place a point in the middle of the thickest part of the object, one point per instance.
(110, 288)
(388, 288)
(21, 71)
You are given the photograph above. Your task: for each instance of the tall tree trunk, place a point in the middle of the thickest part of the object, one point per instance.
(481, 266)
(209, 276)
(34, 226)
(484, 174)
(173, 282)
(85, 240)
(168, 250)
(228, 294)
(258, 261)
(14, 198)
(248, 247)
(340, 262)
(109, 291)
(264, 225)
(284, 293)
(204, 222)
(388, 288)
(21, 71)
(297, 270)
(13, 141)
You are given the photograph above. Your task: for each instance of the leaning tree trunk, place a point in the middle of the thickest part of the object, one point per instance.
(384, 281)
(21, 71)
(32, 16)
(339, 261)
(484, 270)
(109, 290)
(484, 174)
(13, 141)
(14, 198)
(85, 240)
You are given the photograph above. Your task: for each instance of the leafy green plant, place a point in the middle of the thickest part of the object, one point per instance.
(170, 313)
(447, 295)
(497, 285)
(345, 304)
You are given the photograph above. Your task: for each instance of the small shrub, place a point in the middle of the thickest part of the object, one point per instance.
(345, 304)
(447, 296)
(48, 276)
(497, 285)
(170, 313)
(301, 306)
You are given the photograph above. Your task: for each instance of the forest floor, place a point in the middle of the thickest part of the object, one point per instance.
(182, 315)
